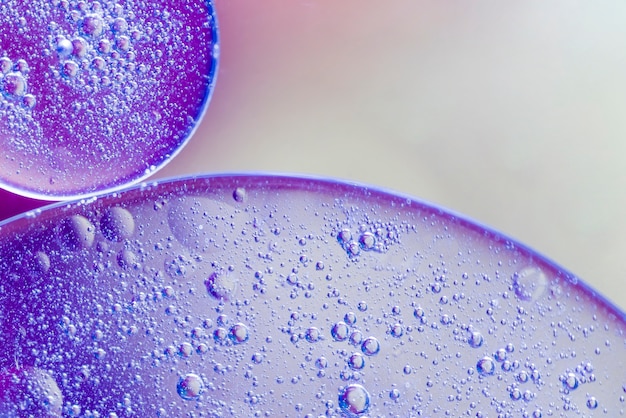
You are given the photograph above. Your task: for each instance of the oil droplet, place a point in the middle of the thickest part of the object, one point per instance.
(42, 262)
(354, 399)
(592, 403)
(191, 220)
(190, 387)
(117, 224)
(77, 232)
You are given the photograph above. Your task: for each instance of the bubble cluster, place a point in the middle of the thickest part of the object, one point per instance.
(234, 296)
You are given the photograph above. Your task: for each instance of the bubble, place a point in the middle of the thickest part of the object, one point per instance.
(22, 66)
(29, 101)
(367, 241)
(356, 361)
(486, 366)
(476, 339)
(98, 63)
(190, 387)
(350, 318)
(530, 284)
(185, 350)
(418, 313)
(5, 65)
(321, 363)
(14, 84)
(104, 46)
(220, 334)
(79, 47)
(353, 248)
(123, 43)
(117, 224)
(570, 381)
(397, 331)
(356, 338)
(239, 333)
(394, 394)
(77, 232)
(70, 68)
(592, 403)
(354, 399)
(64, 47)
(522, 376)
(312, 335)
(222, 320)
(239, 194)
(93, 25)
(221, 285)
(515, 394)
(344, 236)
(29, 391)
(500, 355)
(340, 331)
(119, 25)
(370, 346)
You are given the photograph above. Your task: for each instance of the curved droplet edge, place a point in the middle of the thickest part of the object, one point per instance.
(343, 186)
(212, 77)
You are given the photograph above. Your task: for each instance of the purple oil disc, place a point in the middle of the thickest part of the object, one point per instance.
(258, 295)
(97, 95)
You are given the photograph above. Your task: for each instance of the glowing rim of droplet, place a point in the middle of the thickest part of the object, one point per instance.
(292, 181)
(171, 154)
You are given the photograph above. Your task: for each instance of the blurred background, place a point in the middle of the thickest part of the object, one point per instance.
(512, 114)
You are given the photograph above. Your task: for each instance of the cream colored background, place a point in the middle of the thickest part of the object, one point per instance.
(511, 113)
